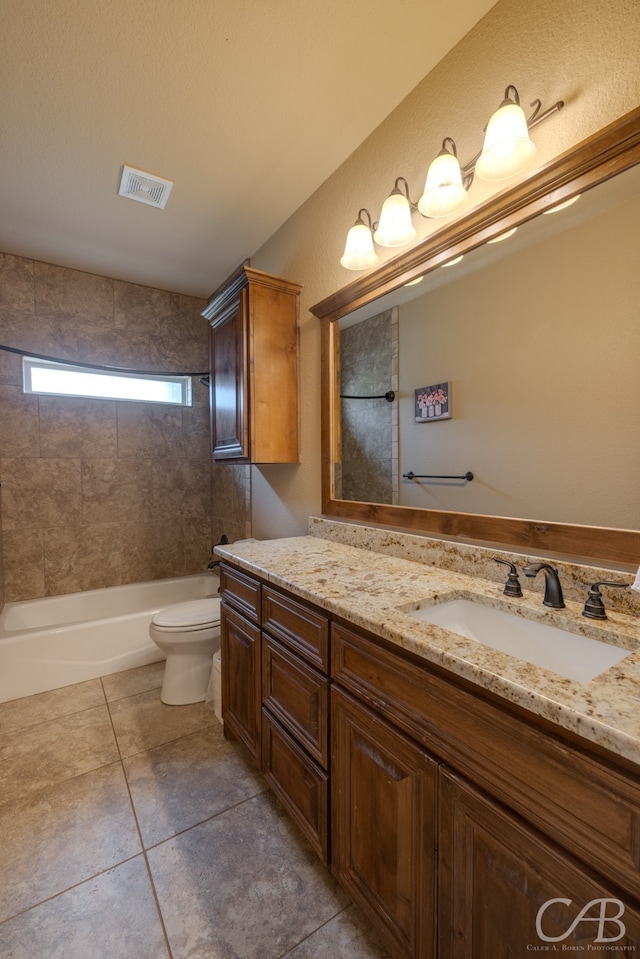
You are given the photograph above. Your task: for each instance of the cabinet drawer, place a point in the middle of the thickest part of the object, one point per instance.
(241, 590)
(302, 628)
(298, 781)
(298, 696)
(589, 806)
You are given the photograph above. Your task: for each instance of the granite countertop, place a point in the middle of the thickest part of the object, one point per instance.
(375, 591)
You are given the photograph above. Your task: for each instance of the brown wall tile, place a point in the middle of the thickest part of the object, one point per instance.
(74, 295)
(146, 429)
(19, 425)
(154, 551)
(99, 492)
(117, 491)
(56, 337)
(23, 562)
(119, 348)
(83, 557)
(40, 492)
(16, 284)
(71, 426)
(230, 501)
(154, 312)
(197, 540)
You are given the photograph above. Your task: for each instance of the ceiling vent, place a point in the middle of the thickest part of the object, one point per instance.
(145, 187)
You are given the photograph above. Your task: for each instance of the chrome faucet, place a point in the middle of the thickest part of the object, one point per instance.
(552, 589)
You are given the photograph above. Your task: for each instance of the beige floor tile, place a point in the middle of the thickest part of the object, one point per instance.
(64, 836)
(187, 781)
(133, 681)
(142, 722)
(346, 935)
(110, 917)
(40, 756)
(243, 885)
(20, 713)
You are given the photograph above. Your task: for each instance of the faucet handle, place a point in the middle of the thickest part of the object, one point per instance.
(512, 587)
(594, 607)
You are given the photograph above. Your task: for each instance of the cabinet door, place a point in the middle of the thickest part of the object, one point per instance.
(240, 646)
(504, 891)
(300, 783)
(383, 834)
(229, 384)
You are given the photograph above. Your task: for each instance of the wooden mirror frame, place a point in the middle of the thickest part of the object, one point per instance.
(610, 151)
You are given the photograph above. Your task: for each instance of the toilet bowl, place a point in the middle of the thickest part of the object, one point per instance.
(189, 635)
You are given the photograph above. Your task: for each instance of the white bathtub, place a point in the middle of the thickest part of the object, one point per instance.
(60, 640)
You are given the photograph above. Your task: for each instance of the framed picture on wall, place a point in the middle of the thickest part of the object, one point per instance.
(433, 403)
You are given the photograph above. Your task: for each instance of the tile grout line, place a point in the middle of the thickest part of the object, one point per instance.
(63, 892)
(139, 831)
(313, 932)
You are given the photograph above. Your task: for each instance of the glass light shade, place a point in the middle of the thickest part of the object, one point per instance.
(443, 191)
(507, 146)
(359, 253)
(395, 227)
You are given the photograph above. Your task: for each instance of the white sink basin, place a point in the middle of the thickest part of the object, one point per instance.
(569, 655)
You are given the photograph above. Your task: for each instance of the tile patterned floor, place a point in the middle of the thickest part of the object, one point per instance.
(134, 830)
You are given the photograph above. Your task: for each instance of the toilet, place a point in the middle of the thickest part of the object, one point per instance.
(189, 634)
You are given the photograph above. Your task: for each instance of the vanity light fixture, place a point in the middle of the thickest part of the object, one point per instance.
(508, 148)
(395, 227)
(444, 192)
(506, 151)
(359, 253)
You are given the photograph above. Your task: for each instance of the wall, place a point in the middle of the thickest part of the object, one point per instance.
(582, 51)
(97, 492)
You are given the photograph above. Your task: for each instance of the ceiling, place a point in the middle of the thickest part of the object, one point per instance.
(246, 105)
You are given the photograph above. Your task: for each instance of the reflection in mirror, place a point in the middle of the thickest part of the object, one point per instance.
(539, 338)
(546, 366)
(366, 461)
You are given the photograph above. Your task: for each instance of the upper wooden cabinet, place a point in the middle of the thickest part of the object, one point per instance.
(254, 368)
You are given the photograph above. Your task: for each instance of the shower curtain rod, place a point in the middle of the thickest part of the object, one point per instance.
(96, 366)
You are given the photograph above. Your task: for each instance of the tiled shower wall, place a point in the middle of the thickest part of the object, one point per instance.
(230, 501)
(369, 427)
(97, 492)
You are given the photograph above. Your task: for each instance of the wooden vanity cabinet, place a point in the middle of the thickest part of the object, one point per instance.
(455, 817)
(384, 826)
(276, 694)
(295, 711)
(524, 814)
(253, 351)
(496, 873)
(240, 646)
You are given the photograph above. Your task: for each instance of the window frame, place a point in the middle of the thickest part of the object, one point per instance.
(31, 364)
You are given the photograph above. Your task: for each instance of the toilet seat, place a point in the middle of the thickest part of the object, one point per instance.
(189, 616)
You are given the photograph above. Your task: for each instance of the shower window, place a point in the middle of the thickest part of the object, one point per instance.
(61, 379)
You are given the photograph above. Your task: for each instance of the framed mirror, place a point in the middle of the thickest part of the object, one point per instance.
(540, 378)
